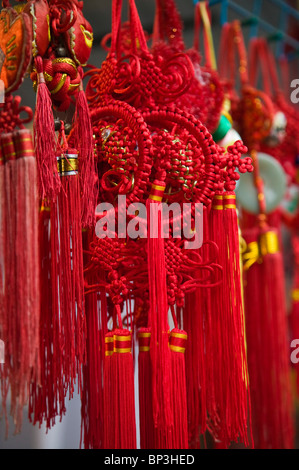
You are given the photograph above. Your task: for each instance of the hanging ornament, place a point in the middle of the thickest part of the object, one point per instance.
(68, 191)
(264, 296)
(20, 319)
(151, 151)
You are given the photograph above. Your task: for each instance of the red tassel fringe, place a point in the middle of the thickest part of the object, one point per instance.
(268, 350)
(230, 414)
(119, 402)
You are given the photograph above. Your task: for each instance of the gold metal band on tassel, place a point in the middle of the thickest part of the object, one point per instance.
(108, 345)
(177, 349)
(67, 165)
(218, 202)
(179, 335)
(122, 343)
(229, 201)
(23, 144)
(144, 341)
(141, 336)
(177, 341)
(157, 192)
(269, 243)
(144, 348)
(295, 295)
(122, 350)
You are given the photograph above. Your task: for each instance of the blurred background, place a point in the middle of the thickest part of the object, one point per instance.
(66, 435)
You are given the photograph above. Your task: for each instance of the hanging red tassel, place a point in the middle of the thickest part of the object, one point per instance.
(63, 332)
(92, 400)
(109, 422)
(27, 254)
(47, 399)
(230, 417)
(177, 346)
(21, 325)
(214, 333)
(85, 146)
(145, 390)
(195, 371)
(268, 351)
(267, 335)
(10, 315)
(199, 381)
(44, 138)
(2, 240)
(3, 298)
(120, 425)
(159, 348)
(71, 280)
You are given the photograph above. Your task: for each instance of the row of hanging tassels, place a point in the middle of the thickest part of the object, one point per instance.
(200, 335)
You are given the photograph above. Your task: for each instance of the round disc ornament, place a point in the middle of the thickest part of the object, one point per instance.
(275, 185)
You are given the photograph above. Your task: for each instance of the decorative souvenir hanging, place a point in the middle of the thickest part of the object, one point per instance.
(53, 41)
(20, 289)
(150, 151)
(264, 296)
(203, 98)
(65, 156)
